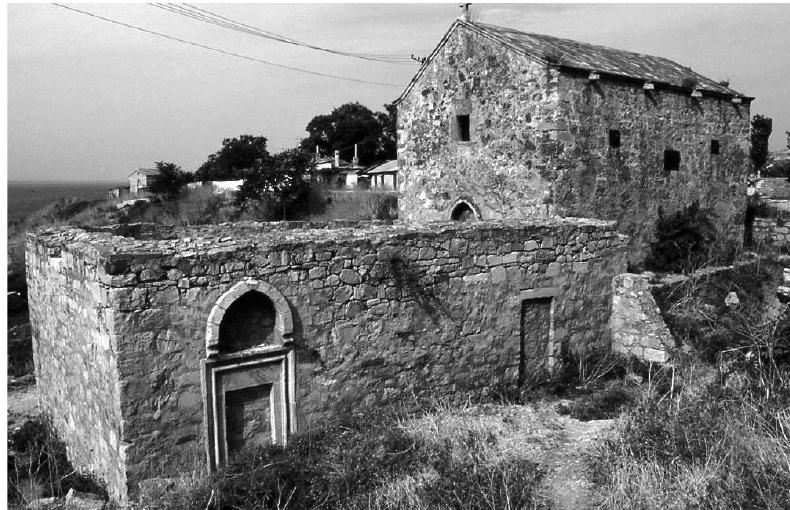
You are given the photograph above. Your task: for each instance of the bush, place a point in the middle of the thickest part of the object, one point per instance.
(684, 240)
(38, 459)
(709, 439)
(380, 461)
(697, 316)
(359, 204)
(194, 207)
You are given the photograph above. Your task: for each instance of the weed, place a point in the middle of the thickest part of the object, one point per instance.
(424, 460)
(39, 467)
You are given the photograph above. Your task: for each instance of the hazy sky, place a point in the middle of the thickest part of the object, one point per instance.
(89, 100)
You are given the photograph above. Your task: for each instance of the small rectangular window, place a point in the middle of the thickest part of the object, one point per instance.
(671, 160)
(462, 122)
(614, 138)
(714, 146)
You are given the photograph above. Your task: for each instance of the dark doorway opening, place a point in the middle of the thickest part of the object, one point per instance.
(535, 330)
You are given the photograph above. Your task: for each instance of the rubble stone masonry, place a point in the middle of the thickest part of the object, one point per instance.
(539, 144)
(375, 314)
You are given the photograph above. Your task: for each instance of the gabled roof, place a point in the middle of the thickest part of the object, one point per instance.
(383, 168)
(573, 55)
(145, 171)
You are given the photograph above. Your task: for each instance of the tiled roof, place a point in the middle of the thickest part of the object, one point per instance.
(589, 57)
(389, 166)
(146, 171)
(571, 54)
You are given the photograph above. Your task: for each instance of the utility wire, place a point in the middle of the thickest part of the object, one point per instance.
(206, 16)
(307, 45)
(225, 52)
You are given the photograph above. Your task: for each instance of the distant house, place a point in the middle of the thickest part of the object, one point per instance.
(337, 172)
(217, 187)
(140, 181)
(383, 177)
(224, 187)
(122, 192)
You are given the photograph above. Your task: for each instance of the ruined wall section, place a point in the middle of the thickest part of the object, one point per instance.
(502, 169)
(628, 184)
(75, 353)
(638, 328)
(380, 315)
(772, 231)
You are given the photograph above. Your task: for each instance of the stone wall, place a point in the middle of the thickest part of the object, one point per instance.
(777, 188)
(76, 354)
(637, 326)
(380, 314)
(504, 170)
(629, 184)
(771, 231)
(539, 144)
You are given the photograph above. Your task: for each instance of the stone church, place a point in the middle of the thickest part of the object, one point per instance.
(162, 349)
(500, 123)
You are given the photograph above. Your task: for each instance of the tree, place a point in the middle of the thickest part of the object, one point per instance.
(350, 124)
(169, 181)
(276, 185)
(236, 157)
(787, 135)
(761, 131)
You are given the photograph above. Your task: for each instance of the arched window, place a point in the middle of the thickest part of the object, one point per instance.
(463, 211)
(247, 323)
(252, 313)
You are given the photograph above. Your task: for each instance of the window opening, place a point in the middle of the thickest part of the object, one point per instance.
(714, 147)
(614, 138)
(462, 122)
(671, 160)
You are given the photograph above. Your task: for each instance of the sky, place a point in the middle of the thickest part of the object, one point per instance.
(91, 100)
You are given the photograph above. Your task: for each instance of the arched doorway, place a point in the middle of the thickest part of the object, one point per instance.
(248, 371)
(464, 211)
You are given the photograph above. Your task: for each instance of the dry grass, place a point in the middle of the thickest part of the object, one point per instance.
(354, 205)
(445, 458)
(703, 438)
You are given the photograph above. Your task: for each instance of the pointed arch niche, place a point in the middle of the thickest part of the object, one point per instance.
(248, 371)
(465, 210)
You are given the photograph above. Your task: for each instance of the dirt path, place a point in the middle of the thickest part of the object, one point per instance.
(567, 484)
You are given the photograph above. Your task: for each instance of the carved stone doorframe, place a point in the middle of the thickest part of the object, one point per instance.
(268, 368)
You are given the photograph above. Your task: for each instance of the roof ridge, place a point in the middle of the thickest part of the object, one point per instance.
(576, 41)
(588, 57)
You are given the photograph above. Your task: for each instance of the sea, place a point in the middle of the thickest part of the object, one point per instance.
(27, 197)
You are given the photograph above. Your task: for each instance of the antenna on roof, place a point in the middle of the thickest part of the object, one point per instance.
(467, 15)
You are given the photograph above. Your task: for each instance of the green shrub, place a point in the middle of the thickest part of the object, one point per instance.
(684, 240)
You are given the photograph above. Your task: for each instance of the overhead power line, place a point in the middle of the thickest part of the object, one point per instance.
(206, 16)
(226, 52)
